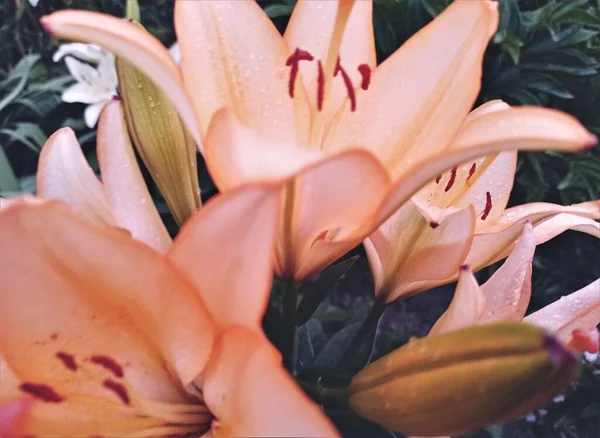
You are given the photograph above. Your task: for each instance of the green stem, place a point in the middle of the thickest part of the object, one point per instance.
(367, 327)
(329, 398)
(290, 299)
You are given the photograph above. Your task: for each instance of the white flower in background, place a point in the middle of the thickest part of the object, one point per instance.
(94, 70)
(174, 52)
(34, 3)
(591, 357)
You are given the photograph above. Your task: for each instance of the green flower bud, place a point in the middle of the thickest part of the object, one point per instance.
(162, 141)
(464, 380)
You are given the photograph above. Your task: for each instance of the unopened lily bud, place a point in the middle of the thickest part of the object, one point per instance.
(464, 380)
(162, 141)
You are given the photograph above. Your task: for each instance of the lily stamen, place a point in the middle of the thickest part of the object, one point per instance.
(347, 83)
(293, 61)
(488, 206)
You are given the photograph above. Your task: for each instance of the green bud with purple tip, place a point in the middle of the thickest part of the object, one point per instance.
(458, 382)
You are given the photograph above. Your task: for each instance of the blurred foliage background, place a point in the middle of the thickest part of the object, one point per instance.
(546, 52)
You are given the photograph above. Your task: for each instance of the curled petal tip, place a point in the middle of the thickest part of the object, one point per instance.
(586, 341)
(44, 22)
(591, 141)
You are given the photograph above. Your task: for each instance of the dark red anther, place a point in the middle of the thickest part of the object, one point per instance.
(472, 171)
(118, 389)
(109, 363)
(365, 72)
(320, 87)
(294, 61)
(438, 179)
(41, 392)
(347, 83)
(488, 206)
(68, 360)
(452, 179)
(434, 224)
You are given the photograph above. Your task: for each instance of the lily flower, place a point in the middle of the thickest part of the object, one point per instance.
(102, 336)
(461, 218)
(506, 295)
(96, 77)
(349, 142)
(121, 199)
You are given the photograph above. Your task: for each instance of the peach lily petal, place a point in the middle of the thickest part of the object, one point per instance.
(233, 56)
(126, 192)
(579, 310)
(466, 307)
(530, 129)
(72, 288)
(232, 276)
(251, 394)
(508, 290)
(560, 223)
(405, 252)
(65, 175)
(416, 104)
(329, 206)
(496, 179)
(12, 416)
(486, 108)
(236, 154)
(311, 28)
(132, 43)
(493, 243)
(504, 297)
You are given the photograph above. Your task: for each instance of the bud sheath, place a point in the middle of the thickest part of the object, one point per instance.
(464, 380)
(160, 138)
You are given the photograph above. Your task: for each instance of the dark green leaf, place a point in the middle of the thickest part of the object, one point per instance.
(8, 180)
(279, 10)
(314, 292)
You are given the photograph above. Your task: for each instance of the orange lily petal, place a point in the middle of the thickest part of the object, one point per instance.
(125, 188)
(73, 290)
(233, 56)
(522, 128)
(235, 154)
(405, 252)
(508, 290)
(311, 27)
(64, 174)
(226, 252)
(466, 307)
(416, 104)
(334, 199)
(132, 43)
(579, 310)
(251, 394)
